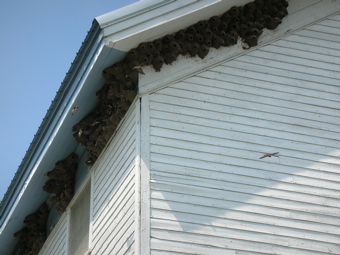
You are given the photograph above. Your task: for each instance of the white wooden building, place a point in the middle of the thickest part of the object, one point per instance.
(184, 172)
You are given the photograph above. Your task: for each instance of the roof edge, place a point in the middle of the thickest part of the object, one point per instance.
(129, 11)
(35, 147)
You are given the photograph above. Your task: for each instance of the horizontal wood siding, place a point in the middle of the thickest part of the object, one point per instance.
(56, 244)
(210, 191)
(113, 226)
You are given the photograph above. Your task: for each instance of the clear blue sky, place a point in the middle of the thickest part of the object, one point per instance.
(39, 40)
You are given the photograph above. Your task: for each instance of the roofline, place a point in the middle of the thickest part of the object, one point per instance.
(129, 11)
(43, 135)
(52, 119)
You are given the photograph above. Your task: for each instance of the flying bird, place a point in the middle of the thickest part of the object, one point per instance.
(269, 155)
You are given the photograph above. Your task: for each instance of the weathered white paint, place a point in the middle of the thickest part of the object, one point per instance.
(210, 191)
(56, 243)
(113, 222)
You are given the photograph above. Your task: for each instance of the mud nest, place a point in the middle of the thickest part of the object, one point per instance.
(245, 22)
(33, 235)
(61, 182)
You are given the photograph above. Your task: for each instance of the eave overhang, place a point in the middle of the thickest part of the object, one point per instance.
(53, 140)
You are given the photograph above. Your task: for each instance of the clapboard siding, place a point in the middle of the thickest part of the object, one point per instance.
(113, 226)
(56, 244)
(210, 191)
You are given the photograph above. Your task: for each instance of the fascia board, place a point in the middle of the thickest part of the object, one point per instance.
(161, 20)
(48, 130)
(129, 12)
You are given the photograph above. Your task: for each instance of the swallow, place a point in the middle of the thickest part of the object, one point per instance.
(74, 109)
(269, 155)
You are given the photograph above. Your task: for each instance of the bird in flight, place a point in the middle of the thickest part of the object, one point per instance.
(269, 155)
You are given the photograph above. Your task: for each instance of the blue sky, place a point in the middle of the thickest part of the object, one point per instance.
(39, 40)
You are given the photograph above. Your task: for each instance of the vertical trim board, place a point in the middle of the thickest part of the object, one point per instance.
(138, 203)
(145, 175)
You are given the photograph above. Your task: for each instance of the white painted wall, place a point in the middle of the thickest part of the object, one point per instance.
(210, 191)
(113, 195)
(113, 227)
(56, 244)
(190, 161)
